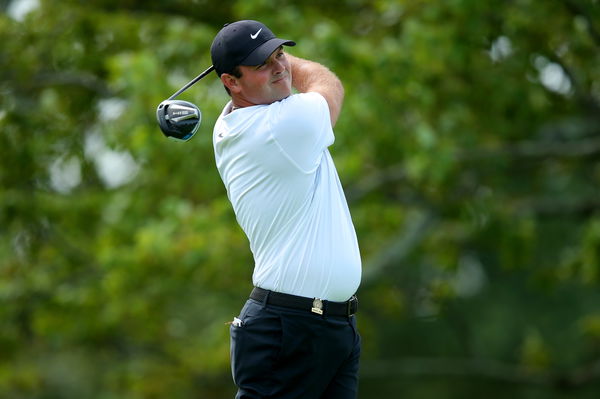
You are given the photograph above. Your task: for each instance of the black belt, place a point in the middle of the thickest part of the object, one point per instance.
(315, 305)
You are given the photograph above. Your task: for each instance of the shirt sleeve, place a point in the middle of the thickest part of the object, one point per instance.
(301, 126)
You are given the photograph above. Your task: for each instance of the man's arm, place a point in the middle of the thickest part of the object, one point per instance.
(310, 76)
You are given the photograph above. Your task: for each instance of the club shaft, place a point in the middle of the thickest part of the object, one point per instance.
(187, 86)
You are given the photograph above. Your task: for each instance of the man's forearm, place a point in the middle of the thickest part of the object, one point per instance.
(311, 76)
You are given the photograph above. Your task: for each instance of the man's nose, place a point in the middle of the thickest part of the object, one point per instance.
(278, 66)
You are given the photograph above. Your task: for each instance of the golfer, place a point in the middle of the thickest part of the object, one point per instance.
(296, 335)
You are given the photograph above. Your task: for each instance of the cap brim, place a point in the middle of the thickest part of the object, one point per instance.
(264, 51)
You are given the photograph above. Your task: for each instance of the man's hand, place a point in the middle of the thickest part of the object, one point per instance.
(310, 76)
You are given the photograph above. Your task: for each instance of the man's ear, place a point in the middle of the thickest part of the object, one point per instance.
(231, 82)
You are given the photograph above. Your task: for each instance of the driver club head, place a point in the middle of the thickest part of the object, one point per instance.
(178, 119)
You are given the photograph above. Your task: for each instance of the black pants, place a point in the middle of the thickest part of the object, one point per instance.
(279, 352)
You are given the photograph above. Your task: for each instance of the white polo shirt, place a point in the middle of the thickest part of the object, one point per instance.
(287, 196)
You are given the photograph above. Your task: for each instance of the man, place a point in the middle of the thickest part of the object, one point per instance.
(296, 336)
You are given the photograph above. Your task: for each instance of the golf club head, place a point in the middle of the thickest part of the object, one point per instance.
(178, 119)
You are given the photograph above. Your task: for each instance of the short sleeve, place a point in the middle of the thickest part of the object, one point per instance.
(301, 126)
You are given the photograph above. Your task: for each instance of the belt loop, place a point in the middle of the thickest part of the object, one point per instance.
(352, 306)
(266, 299)
(349, 307)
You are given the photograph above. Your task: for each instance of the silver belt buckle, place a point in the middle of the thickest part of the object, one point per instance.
(317, 306)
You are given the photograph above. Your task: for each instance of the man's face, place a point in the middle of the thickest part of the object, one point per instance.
(266, 83)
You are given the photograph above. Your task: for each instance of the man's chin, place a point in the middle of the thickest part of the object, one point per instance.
(284, 94)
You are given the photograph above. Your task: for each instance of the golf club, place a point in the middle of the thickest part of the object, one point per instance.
(177, 118)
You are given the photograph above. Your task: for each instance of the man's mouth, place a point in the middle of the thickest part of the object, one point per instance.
(280, 79)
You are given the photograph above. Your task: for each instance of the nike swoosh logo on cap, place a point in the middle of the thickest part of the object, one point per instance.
(254, 36)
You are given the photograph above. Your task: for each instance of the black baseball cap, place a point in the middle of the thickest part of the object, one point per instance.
(243, 43)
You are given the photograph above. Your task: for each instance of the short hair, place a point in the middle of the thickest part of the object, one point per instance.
(237, 72)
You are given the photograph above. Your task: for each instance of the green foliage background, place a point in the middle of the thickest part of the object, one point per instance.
(469, 148)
